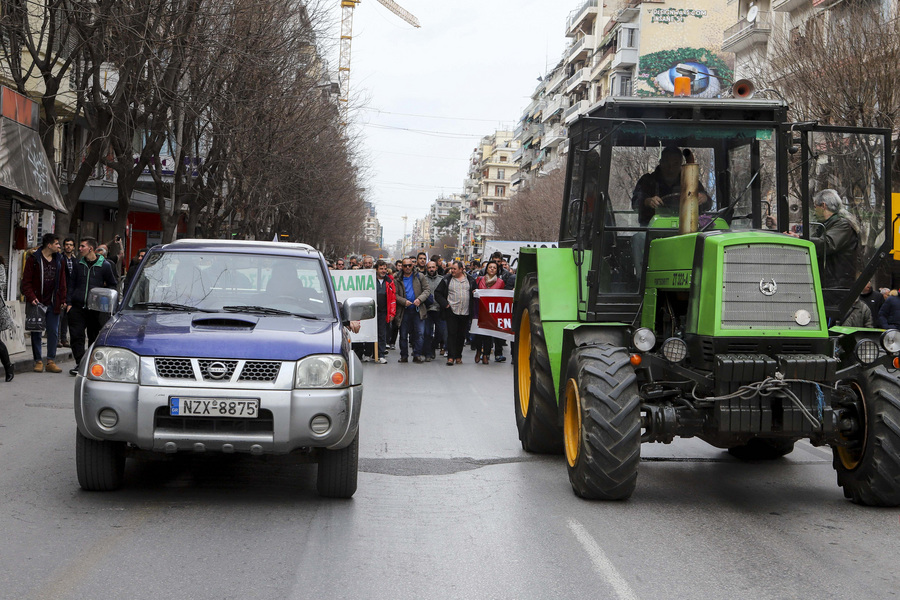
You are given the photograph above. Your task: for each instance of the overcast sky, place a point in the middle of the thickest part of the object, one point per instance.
(426, 96)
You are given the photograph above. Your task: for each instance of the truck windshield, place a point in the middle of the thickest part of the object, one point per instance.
(207, 281)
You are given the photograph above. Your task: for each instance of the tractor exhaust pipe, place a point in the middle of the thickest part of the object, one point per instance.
(689, 213)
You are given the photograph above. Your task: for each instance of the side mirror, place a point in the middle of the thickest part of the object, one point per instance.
(357, 309)
(103, 300)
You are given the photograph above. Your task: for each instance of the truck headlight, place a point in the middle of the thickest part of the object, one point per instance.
(866, 351)
(321, 371)
(114, 364)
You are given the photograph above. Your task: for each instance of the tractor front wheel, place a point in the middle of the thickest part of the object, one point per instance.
(602, 423)
(869, 469)
(535, 400)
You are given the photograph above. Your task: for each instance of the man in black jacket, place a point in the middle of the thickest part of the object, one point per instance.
(90, 272)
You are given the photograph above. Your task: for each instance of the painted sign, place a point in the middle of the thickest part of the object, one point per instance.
(494, 314)
(357, 284)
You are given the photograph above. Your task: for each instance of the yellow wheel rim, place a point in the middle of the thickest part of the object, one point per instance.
(523, 362)
(851, 457)
(572, 423)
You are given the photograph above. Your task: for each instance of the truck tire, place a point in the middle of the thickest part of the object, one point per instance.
(535, 399)
(602, 423)
(762, 449)
(870, 473)
(100, 464)
(338, 471)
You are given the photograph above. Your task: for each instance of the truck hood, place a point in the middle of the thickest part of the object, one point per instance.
(220, 335)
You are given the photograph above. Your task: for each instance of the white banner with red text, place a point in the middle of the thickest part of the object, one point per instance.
(495, 309)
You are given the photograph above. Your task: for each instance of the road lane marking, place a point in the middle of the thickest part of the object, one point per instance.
(602, 564)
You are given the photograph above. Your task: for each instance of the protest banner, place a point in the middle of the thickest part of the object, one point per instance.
(357, 284)
(495, 309)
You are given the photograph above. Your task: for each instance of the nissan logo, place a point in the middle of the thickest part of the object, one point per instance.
(217, 370)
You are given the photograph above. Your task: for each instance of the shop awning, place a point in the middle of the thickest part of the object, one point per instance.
(24, 168)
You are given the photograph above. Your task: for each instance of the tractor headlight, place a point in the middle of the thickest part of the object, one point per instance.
(890, 340)
(674, 349)
(114, 364)
(644, 339)
(866, 351)
(321, 371)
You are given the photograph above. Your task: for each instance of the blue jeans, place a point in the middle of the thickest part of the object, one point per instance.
(435, 332)
(52, 337)
(414, 327)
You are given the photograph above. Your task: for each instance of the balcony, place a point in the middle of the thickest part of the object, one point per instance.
(625, 57)
(580, 77)
(745, 34)
(556, 105)
(573, 111)
(558, 78)
(584, 14)
(580, 49)
(553, 136)
(537, 130)
(788, 5)
(517, 155)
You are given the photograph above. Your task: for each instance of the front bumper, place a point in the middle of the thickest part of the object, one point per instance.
(283, 425)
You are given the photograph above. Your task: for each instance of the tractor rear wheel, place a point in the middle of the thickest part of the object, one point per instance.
(762, 449)
(869, 471)
(535, 400)
(602, 423)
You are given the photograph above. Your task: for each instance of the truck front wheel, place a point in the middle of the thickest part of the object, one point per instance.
(602, 423)
(338, 471)
(100, 464)
(869, 469)
(535, 400)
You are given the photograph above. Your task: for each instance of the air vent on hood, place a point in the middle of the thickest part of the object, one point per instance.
(223, 323)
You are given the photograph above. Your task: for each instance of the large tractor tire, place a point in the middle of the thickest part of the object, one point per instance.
(602, 423)
(869, 472)
(338, 471)
(762, 449)
(100, 464)
(535, 400)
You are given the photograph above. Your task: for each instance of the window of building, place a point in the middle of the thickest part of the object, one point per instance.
(501, 173)
(503, 158)
(622, 84)
(500, 191)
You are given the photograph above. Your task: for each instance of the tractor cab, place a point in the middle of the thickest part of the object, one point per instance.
(752, 170)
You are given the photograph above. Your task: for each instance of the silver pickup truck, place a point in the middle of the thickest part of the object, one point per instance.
(223, 346)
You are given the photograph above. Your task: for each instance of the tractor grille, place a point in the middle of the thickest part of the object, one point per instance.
(750, 267)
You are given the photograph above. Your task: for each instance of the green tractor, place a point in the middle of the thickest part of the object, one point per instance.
(711, 310)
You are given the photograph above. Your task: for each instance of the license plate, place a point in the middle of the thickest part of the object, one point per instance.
(241, 408)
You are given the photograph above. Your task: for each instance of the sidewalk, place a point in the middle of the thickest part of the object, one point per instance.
(23, 361)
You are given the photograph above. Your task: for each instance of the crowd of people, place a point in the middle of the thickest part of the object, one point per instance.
(424, 308)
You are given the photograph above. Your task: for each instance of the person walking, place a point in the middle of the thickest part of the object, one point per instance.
(412, 291)
(455, 297)
(435, 328)
(5, 322)
(491, 280)
(68, 250)
(889, 314)
(386, 306)
(44, 282)
(91, 271)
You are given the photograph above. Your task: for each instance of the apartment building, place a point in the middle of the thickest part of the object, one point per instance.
(372, 230)
(488, 186)
(441, 210)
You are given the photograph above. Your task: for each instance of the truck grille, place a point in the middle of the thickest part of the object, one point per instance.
(264, 423)
(183, 368)
(747, 267)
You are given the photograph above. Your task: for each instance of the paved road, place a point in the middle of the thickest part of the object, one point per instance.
(448, 506)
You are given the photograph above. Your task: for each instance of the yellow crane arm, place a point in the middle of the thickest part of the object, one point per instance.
(400, 12)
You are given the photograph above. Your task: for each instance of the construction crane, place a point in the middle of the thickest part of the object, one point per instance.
(347, 7)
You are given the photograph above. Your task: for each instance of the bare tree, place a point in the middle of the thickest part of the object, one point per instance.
(533, 213)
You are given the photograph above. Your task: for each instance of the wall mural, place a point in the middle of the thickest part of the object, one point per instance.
(658, 72)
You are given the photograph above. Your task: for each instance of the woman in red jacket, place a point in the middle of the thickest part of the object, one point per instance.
(491, 280)
(386, 306)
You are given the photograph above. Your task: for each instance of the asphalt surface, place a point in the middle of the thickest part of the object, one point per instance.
(449, 506)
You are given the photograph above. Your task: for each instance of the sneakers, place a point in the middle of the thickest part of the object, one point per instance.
(73, 371)
(52, 368)
(429, 358)
(38, 366)
(418, 359)
(366, 358)
(382, 361)
(500, 358)
(403, 360)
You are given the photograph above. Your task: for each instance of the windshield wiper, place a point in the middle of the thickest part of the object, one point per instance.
(268, 311)
(170, 306)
